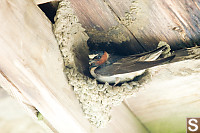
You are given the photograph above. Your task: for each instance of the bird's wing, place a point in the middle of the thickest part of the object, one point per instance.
(124, 66)
(148, 56)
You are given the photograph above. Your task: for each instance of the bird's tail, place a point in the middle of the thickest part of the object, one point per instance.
(159, 61)
(151, 55)
(148, 64)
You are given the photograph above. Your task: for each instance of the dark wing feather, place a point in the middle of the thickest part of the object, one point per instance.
(145, 55)
(122, 66)
(136, 57)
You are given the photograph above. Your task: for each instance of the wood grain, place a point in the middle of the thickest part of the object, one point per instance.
(14, 119)
(29, 53)
(144, 22)
(169, 98)
(175, 22)
(103, 26)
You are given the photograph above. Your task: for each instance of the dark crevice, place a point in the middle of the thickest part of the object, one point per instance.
(111, 47)
(49, 9)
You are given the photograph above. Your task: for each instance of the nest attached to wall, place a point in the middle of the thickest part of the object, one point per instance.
(96, 99)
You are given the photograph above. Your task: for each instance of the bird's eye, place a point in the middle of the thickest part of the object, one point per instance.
(97, 57)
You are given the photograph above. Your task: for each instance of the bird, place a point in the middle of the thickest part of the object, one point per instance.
(115, 69)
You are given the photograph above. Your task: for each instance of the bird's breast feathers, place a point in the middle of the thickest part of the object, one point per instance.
(121, 77)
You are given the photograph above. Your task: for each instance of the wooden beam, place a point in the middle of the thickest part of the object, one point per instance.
(44, 1)
(31, 62)
(15, 119)
(123, 121)
(103, 26)
(171, 96)
(149, 22)
(13, 91)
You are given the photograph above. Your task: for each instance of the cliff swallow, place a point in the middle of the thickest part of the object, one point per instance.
(116, 69)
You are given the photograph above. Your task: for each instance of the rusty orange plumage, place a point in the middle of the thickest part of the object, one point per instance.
(103, 59)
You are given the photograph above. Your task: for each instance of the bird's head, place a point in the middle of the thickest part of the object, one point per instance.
(98, 59)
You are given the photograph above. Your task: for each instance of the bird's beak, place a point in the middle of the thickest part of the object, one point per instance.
(91, 56)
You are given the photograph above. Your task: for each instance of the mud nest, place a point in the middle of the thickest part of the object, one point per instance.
(96, 99)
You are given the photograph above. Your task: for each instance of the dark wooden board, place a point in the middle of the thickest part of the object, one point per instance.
(103, 26)
(142, 22)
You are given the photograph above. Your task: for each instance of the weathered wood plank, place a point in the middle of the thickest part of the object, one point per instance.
(44, 1)
(103, 26)
(170, 97)
(156, 20)
(13, 91)
(14, 119)
(28, 54)
(149, 22)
